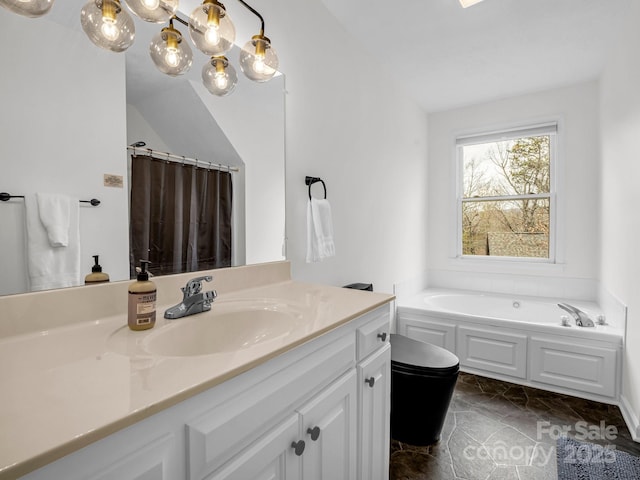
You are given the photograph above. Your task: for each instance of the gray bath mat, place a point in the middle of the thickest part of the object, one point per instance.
(588, 461)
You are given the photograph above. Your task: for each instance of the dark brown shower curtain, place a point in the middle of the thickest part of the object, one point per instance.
(180, 216)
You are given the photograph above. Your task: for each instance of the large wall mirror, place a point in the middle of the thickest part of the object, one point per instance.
(70, 109)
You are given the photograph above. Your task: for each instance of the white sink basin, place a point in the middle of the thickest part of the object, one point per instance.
(229, 326)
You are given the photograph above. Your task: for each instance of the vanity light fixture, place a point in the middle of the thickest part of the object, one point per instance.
(211, 28)
(219, 76)
(469, 3)
(258, 59)
(108, 25)
(28, 8)
(155, 11)
(169, 52)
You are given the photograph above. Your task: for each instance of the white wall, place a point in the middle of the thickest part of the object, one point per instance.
(85, 90)
(620, 172)
(349, 124)
(576, 274)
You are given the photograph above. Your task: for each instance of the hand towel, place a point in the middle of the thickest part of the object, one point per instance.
(54, 212)
(320, 244)
(52, 267)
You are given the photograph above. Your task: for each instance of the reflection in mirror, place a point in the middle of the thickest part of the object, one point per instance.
(69, 111)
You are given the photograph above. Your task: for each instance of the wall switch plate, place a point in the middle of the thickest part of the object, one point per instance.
(116, 181)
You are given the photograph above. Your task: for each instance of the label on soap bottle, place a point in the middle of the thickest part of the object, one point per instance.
(142, 309)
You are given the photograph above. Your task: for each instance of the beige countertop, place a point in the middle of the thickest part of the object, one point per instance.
(74, 384)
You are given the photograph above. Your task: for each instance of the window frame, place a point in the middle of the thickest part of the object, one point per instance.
(552, 128)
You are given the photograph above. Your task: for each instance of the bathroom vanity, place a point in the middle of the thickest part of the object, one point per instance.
(301, 392)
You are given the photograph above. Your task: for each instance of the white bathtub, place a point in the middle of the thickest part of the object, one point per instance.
(519, 339)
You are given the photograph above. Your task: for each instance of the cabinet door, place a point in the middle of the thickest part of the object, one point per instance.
(272, 457)
(374, 393)
(329, 428)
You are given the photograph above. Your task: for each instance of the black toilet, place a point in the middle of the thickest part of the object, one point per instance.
(423, 377)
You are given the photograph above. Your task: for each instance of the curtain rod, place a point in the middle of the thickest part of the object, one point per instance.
(161, 155)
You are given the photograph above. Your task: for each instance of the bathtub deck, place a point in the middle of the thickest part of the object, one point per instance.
(532, 348)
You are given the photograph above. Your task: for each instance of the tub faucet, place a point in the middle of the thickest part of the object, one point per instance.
(581, 318)
(193, 299)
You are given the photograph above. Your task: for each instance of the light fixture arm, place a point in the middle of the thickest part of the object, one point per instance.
(256, 13)
(183, 22)
(246, 5)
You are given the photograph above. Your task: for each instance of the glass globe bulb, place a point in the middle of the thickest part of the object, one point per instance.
(219, 76)
(170, 53)
(107, 25)
(211, 28)
(258, 59)
(154, 11)
(28, 8)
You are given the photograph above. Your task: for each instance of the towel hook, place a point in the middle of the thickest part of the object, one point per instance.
(311, 180)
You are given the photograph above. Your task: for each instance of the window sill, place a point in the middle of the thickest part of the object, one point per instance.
(506, 265)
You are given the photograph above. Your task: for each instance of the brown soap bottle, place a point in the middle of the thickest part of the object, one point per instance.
(142, 300)
(96, 275)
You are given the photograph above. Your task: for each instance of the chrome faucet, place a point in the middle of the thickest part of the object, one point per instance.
(581, 318)
(194, 300)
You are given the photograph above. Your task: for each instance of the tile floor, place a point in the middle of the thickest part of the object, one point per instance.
(498, 430)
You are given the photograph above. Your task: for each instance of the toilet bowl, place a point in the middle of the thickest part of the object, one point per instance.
(423, 378)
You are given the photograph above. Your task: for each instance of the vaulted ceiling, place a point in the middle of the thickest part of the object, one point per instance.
(447, 56)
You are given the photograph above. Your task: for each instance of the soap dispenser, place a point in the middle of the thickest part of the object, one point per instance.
(96, 275)
(142, 300)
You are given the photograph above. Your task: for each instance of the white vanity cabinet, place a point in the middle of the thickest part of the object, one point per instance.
(319, 411)
(374, 394)
(329, 428)
(318, 441)
(264, 426)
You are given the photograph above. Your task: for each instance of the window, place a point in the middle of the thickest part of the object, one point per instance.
(506, 196)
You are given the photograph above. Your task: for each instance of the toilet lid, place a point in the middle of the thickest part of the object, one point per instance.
(420, 354)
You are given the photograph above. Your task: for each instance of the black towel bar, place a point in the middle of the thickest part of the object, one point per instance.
(311, 180)
(4, 196)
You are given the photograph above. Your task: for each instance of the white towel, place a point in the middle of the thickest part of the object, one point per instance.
(54, 212)
(320, 243)
(52, 267)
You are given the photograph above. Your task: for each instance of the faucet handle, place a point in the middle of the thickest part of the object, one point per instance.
(194, 286)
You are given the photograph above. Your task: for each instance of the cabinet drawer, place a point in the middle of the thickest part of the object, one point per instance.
(581, 367)
(493, 350)
(374, 334)
(221, 432)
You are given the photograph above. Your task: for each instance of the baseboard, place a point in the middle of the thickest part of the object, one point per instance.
(630, 418)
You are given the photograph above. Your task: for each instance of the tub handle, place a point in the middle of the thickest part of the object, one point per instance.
(382, 336)
(370, 381)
